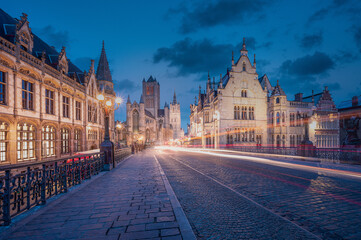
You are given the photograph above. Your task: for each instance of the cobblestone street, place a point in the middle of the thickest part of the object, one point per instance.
(226, 198)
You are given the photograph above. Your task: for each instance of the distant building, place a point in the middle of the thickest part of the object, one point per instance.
(48, 106)
(245, 110)
(147, 122)
(350, 122)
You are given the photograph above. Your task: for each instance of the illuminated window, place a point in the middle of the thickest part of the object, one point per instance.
(25, 142)
(65, 141)
(2, 87)
(49, 101)
(28, 95)
(48, 141)
(3, 141)
(278, 118)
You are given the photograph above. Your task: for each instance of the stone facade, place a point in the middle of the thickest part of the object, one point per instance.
(245, 110)
(147, 123)
(48, 106)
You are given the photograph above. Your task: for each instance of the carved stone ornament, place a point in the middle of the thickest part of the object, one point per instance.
(28, 73)
(51, 84)
(5, 63)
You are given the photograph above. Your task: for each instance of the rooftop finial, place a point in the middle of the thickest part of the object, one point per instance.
(278, 83)
(232, 58)
(244, 50)
(174, 98)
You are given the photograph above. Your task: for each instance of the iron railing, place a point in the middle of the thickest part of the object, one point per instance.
(120, 154)
(23, 186)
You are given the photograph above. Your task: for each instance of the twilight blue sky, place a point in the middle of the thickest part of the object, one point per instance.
(305, 44)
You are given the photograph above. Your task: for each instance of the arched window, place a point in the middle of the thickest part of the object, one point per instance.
(4, 128)
(272, 117)
(277, 100)
(251, 113)
(65, 138)
(278, 118)
(48, 141)
(135, 121)
(283, 117)
(77, 140)
(244, 93)
(278, 141)
(244, 66)
(25, 142)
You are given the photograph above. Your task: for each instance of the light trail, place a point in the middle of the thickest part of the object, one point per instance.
(267, 161)
(246, 197)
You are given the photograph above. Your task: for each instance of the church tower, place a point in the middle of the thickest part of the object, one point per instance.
(175, 117)
(151, 95)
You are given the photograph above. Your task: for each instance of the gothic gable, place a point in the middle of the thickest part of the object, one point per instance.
(63, 66)
(23, 35)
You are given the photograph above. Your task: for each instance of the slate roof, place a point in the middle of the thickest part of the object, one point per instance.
(103, 71)
(160, 112)
(348, 103)
(7, 31)
(147, 113)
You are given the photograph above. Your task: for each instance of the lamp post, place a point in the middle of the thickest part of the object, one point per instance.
(109, 105)
(306, 147)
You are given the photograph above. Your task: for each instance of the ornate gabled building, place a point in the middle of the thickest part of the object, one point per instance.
(48, 106)
(147, 122)
(244, 110)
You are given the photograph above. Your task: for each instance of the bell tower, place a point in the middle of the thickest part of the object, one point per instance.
(151, 95)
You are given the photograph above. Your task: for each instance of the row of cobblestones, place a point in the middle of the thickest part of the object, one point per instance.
(129, 202)
(327, 206)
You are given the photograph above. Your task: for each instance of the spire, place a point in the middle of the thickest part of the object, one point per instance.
(174, 98)
(254, 61)
(244, 50)
(220, 81)
(103, 71)
(141, 99)
(128, 101)
(166, 105)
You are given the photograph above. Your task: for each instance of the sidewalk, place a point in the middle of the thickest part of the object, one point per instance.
(129, 202)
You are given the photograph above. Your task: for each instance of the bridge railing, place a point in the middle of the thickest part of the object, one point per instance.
(23, 186)
(120, 154)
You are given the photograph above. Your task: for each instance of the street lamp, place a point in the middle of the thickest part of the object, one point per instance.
(107, 146)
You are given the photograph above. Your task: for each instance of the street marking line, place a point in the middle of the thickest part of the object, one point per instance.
(184, 226)
(244, 196)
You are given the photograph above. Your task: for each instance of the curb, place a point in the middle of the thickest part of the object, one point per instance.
(184, 226)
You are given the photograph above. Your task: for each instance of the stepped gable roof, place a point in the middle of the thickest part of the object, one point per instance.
(103, 71)
(160, 112)
(7, 31)
(149, 114)
(278, 91)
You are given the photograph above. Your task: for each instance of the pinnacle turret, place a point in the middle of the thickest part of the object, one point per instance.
(174, 98)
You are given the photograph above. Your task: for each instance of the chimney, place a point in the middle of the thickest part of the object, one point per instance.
(354, 101)
(298, 97)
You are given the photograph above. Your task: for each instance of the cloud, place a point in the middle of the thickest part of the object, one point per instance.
(54, 37)
(344, 57)
(308, 65)
(220, 12)
(310, 41)
(125, 85)
(318, 15)
(191, 57)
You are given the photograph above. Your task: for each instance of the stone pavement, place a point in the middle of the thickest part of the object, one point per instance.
(129, 202)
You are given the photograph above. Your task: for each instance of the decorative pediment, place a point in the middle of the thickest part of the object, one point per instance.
(23, 35)
(7, 63)
(51, 84)
(63, 62)
(29, 73)
(67, 90)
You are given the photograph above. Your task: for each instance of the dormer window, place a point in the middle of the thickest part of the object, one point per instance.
(244, 66)
(277, 100)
